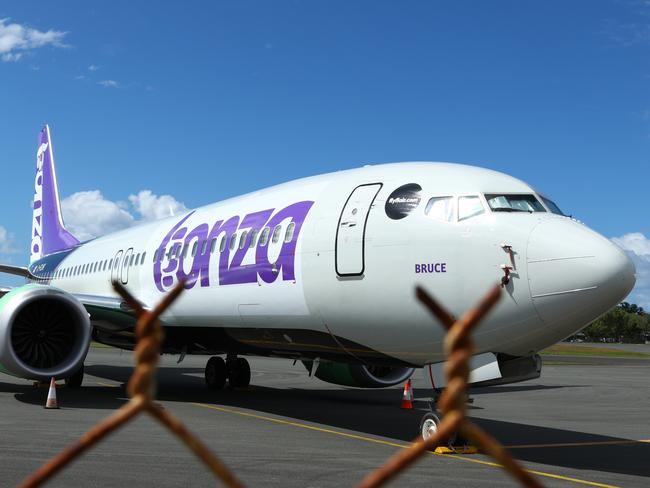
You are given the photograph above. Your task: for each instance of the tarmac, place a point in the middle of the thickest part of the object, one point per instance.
(579, 424)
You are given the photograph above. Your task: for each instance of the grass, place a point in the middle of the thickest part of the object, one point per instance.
(604, 351)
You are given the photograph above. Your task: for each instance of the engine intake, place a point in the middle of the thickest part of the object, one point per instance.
(360, 375)
(44, 333)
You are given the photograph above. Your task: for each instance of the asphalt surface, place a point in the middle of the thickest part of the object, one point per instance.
(291, 430)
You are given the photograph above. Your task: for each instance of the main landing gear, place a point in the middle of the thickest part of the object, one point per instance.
(236, 370)
(75, 380)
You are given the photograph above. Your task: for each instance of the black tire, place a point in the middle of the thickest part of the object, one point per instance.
(215, 373)
(240, 375)
(76, 379)
(428, 425)
(427, 429)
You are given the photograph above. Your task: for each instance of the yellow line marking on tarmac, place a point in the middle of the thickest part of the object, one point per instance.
(580, 444)
(297, 424)
(392, 444)
(539, 473)
(107, 384)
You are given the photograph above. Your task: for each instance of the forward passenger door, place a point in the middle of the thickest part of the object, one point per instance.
(351, 230)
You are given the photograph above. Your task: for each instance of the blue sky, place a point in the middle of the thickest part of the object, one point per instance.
(199, 101)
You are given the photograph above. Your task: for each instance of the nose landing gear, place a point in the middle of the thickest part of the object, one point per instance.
(236, 370)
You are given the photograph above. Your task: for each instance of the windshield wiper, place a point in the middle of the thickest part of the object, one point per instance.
(507, 209)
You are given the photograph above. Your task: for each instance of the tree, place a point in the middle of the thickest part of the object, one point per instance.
(627, 322)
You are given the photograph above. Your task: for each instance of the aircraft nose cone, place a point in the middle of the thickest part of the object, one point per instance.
(575, 274)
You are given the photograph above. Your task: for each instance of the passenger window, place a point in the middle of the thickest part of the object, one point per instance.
(233, 241)
(440, 208)
(131, 260)
(289, 234)
(213, 245)
(242, 239)
(222, 245)
(196, 244)
(155, 255)
(276, 234)
(185, 249)
(469, 207)
(204, 247)
(110, 264)
(254, 233)
(143, 256)
(137, 259)
(264, 237)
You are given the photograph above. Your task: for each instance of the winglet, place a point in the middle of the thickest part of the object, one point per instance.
(49, 235)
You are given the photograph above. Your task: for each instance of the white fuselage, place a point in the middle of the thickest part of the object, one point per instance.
(355, 268)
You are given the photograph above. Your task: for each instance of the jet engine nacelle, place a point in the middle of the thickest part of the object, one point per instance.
(360, 375)
(44, 333)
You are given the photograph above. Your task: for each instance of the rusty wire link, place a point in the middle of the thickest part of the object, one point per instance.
(141, 389)
(459, 348)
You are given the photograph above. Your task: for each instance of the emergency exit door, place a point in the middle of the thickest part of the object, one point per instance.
(351, 230)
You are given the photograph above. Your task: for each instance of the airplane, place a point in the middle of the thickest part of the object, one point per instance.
(321, 270)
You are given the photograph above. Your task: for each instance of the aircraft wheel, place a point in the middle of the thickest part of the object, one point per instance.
(240, 374)
(429, 425)
(76, 379)
(215, 373)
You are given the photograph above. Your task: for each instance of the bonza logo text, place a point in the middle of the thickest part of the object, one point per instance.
(173, 263)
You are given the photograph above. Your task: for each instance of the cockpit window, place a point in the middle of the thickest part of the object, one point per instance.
(514, 203)
(552, 206)
(469, 207)
(440, 208)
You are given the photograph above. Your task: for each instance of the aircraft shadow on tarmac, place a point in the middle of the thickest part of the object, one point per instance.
(374, 412)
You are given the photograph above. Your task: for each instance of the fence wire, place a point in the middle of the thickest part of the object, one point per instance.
(142, 388)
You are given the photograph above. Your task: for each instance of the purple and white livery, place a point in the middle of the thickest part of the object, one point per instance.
(47, 219)
(321, 269)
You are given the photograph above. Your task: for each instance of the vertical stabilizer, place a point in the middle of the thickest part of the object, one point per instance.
(48, 232)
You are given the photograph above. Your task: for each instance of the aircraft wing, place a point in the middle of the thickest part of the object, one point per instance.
(15, 270)
(111, 314)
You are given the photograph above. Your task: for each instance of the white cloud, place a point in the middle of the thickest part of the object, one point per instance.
(108, 83)
(153, 207)
(6, 242)
(17, 39)
(634, 242)
(637, 247)
(88, 214)
(93, 67)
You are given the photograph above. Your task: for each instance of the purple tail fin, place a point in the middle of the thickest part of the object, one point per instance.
(48, 232)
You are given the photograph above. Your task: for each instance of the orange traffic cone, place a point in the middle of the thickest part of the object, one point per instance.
(51, 395)
(407, 398)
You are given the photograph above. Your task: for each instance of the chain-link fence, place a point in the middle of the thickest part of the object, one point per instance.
(142, 386)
